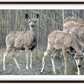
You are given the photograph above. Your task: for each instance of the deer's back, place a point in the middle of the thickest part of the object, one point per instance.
(10, 38)
(60, 39)
(77, 20)
(75, 27)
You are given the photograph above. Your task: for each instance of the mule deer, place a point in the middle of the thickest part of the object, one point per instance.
(77, 20)
(60, 40)
(76, 28)
(20, 40)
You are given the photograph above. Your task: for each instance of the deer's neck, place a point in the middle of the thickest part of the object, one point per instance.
(76, 45)
(33, 31)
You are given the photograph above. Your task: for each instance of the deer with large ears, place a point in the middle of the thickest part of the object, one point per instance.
(66, 42)
(20, 40)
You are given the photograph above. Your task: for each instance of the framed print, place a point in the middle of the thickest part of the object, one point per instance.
(41, 42)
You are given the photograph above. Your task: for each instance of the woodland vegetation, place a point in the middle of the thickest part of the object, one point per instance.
(49, 20)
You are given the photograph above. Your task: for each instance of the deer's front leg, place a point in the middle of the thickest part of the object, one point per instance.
(78, 73)
(52, 60)
(53, 65)
(31, 59)
(26, 50)
(65, 58)
(14, 58)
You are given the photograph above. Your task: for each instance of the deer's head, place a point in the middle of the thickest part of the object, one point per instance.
(78, 58)
(32, 22)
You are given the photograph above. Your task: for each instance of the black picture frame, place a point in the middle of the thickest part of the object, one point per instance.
(42, 81)
(50, 2)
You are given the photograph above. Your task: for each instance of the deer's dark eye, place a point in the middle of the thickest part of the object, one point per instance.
(34, 21)
(76, 58)
(81, 58)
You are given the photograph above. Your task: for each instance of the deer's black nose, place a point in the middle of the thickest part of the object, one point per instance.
(79, 66)
(32, 25)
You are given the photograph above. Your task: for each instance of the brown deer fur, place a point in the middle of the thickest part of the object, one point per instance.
(60, 40)
(76, 28)
(20, 40)
(78, 20)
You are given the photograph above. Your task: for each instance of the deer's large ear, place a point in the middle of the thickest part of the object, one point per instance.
(37, 15)
(26, 16)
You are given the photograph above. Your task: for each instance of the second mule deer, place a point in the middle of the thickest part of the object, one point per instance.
(60, 40)
(20, 40)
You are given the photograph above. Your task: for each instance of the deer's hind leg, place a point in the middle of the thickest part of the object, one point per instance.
(14, 58)
(49, 48)
(8, 50)
(43, 60)
(52, 60)
(65, 58)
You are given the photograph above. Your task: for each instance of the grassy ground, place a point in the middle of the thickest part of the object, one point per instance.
(11, 68)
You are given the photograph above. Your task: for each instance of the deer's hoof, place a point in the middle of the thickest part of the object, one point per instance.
(19, 68)
(31, 67)
(27, 68)
(4, 69)
(54, 72)
(77, 73)
(41, 72)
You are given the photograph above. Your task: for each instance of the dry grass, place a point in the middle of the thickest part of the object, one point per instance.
(11, 68)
